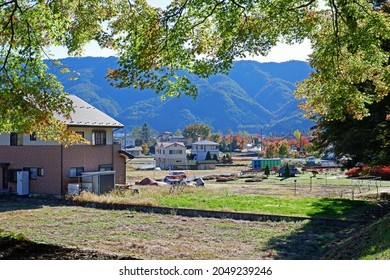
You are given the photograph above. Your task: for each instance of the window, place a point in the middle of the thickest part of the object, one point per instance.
(33, 136)
(16, 139)
(81, 133)
(105, 167)
(41, 172)
(32, 171)
(175, 152)
(75, 171)
(99, 137)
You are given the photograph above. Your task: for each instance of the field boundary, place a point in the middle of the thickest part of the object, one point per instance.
(188, 212)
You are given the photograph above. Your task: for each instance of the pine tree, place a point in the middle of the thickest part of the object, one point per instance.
(287, 172)
(267, 172)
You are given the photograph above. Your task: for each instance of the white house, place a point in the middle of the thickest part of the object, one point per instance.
(135, 151)
(127, 142)
(168, 153)
(201, 148)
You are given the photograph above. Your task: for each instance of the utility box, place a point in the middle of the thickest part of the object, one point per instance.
(22, 182)
(98, 182)
(73, 189)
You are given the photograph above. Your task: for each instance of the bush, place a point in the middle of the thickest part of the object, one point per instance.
(381, 171)
(358, 171)
(378, 171)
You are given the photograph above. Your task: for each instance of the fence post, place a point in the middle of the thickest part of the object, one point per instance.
(295, 188)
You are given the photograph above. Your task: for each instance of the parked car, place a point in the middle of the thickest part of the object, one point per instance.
(175, 176)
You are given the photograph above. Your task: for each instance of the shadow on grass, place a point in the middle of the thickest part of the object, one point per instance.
(341, 209)
(315, 239)
(13, 203)
(22, 249)
(19, 247)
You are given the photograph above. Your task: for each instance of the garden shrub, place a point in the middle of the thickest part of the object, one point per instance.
(379, 171)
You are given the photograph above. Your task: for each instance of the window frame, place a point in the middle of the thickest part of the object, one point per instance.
(32, 172)
(106, 167)
(77, 171)
(33, 136)
(16, 139)
(41, 172)
(99, 137)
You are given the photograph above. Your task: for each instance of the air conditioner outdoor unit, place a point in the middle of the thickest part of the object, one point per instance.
(73, 189)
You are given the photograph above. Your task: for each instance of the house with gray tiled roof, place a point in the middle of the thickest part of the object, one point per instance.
(200, 149)
(51, 167)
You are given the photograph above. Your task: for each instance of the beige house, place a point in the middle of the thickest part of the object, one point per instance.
(51, 166)
(169, 153)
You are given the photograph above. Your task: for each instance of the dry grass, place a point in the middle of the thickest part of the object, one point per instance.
(153, 236)
(116, 197)
(146, 195)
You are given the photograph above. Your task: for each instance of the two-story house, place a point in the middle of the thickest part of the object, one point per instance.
(200, 149)
(169, 153)
(52, 166)
(169, 137)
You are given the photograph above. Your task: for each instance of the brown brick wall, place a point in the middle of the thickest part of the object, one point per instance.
(46, 157)
(90, 157)
(53, 158)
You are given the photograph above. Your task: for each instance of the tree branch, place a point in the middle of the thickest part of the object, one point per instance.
(3, 68)
(209, 14)
(7, 3)
(302, 6)
(238, 5)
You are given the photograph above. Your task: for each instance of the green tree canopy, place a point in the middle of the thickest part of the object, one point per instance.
(143, 134)
(30, 97)
(350, 41)
(283, 147)
(194, 131)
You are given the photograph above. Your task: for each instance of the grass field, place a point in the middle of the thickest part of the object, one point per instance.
(222, 200)
(331, 184)
(130, 234)
(153, 236)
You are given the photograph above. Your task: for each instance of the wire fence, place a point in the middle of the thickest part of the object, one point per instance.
(334, 186)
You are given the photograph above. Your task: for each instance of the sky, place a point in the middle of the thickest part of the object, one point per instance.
(280, 53)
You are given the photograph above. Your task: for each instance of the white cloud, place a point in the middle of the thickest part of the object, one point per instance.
(284, 52)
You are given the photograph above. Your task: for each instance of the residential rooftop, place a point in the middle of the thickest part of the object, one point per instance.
(86, 115)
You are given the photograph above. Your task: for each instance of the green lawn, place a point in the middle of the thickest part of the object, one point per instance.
(291, 206)
(223, 200)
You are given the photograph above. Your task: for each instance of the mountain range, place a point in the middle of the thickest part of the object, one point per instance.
(252, 97)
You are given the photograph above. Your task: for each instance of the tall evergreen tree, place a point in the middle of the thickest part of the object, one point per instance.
(267, 172)
(287, 172)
